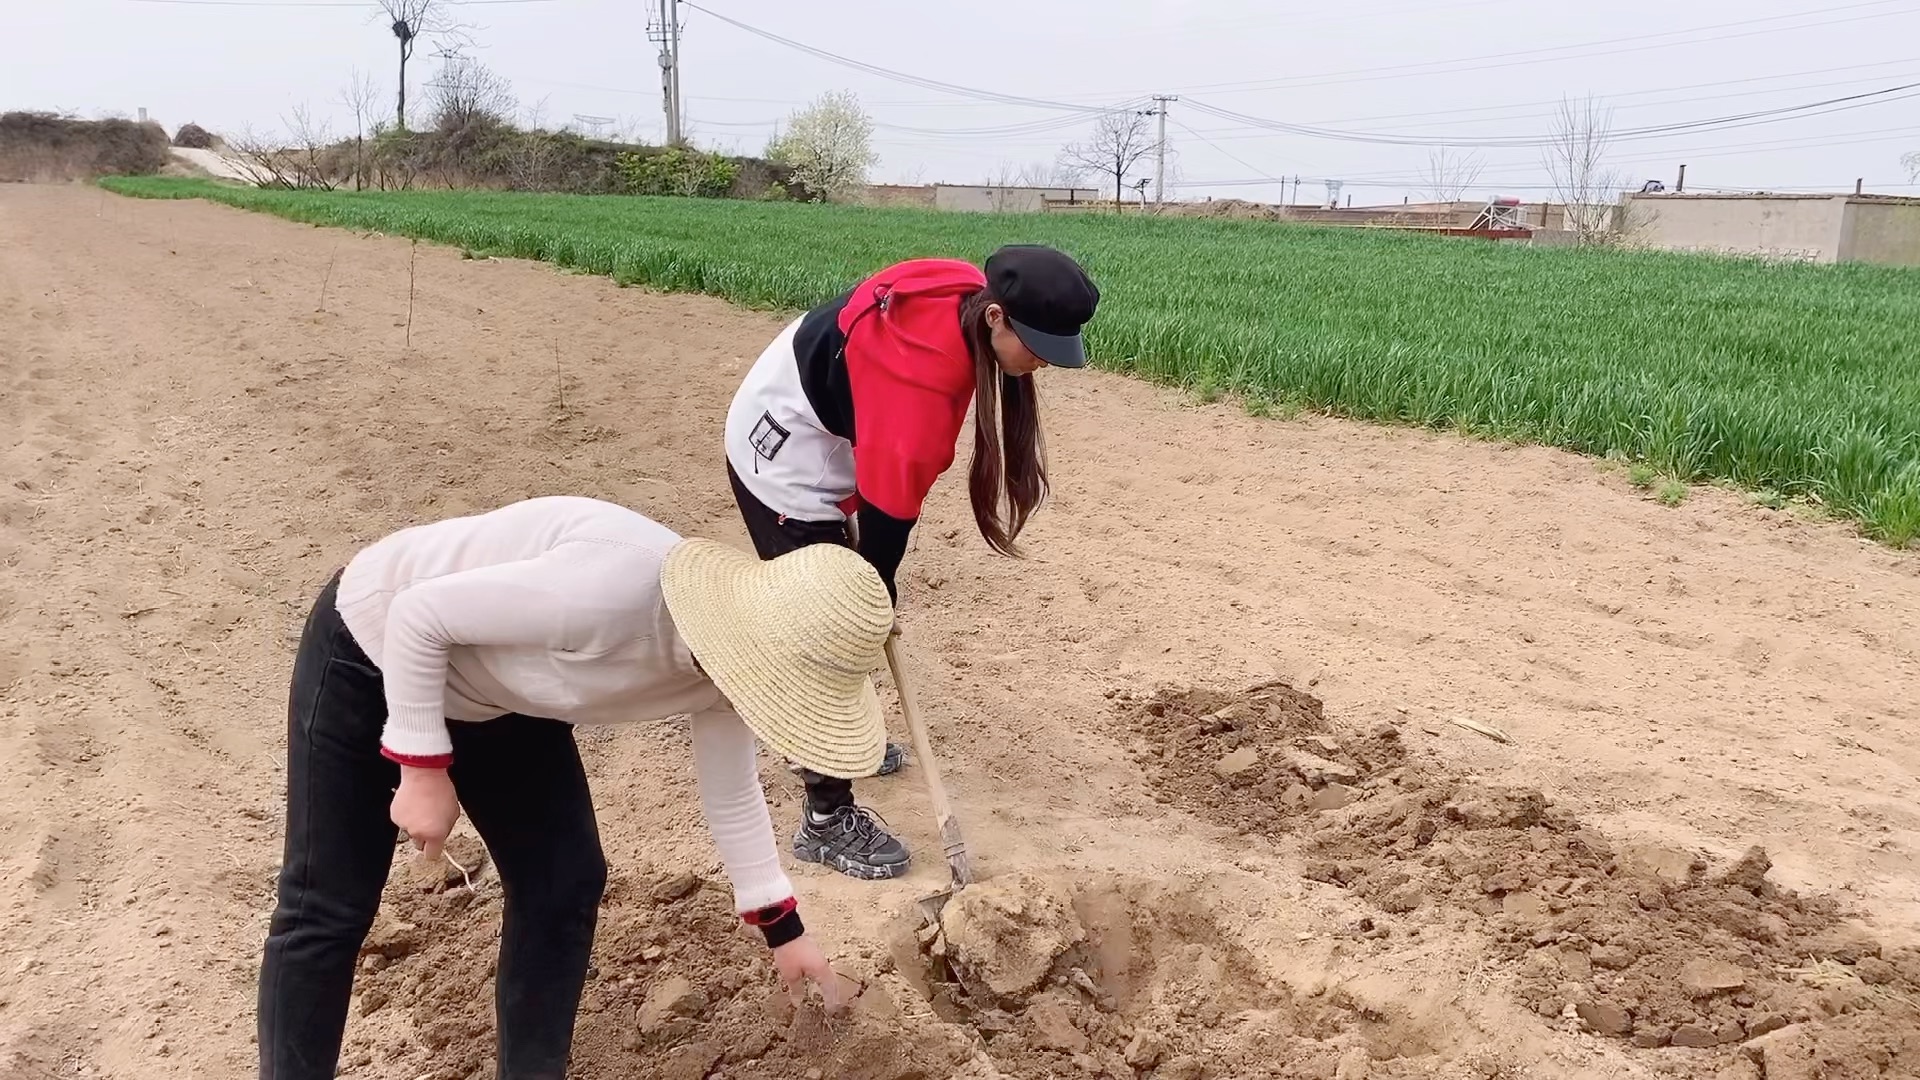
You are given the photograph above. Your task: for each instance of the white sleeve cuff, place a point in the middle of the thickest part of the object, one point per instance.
(416, 731)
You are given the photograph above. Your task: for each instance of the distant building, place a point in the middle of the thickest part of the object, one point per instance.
(1009, 199)
(981, 198)
(1810, 228)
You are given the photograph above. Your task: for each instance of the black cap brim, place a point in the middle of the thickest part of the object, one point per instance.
(1058, 350)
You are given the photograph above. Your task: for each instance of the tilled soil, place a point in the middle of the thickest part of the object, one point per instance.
(206, 412)
(1025, 977)
(1634, 941)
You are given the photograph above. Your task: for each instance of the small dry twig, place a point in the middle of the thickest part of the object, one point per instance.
(1481, 728)
(413, 252)
(329, 276)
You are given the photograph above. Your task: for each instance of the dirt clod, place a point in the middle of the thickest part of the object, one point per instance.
(1004, 936)
(1705, 978)
(1402, 900)
(1181, 1068)
(1331, 797)
(1665, 865)
(1649, 1038)
(1237, 762)
(1052, 1027)
(1146, 1050)
(1605, 1018)
(1750, 873)
(1694, 1035)
(671, 997)
(674, 887)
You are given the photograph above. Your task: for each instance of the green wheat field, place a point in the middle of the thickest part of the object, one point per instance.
(1792, 381)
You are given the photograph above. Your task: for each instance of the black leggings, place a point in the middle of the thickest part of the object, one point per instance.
(773, 536)
(521, 784)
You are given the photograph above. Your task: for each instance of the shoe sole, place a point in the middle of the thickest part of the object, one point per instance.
(863, 871)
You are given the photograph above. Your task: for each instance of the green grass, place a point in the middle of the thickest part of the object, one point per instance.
(1800, 380)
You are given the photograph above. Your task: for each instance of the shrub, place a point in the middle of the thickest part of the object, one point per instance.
(677, 171)
(193, 137)
(42, 146)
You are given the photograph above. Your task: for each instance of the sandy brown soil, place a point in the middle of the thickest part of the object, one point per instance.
(191, 439)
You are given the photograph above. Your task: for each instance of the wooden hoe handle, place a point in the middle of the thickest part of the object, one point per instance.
(950, 839)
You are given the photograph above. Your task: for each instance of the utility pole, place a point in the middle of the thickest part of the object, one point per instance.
(679, 106)
(1160, 102)
(664, 28)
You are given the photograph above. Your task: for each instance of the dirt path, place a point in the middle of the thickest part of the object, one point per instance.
(192, 443)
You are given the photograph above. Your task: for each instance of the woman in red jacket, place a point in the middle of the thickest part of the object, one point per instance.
(853, 412)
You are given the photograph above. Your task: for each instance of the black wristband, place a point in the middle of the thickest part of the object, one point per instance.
(784, 929)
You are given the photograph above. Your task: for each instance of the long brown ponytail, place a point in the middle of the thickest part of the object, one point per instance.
(1012, 468)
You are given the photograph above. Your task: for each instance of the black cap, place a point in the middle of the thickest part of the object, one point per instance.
(1047, 298)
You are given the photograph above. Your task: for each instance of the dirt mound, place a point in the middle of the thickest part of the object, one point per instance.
(679, 989)
(1227, 208)
(1264, 760)
(193, 137)
(1629, 941)
(1128, 979)
(1028, 977)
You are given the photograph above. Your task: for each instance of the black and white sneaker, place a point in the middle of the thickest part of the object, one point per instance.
(852, 840)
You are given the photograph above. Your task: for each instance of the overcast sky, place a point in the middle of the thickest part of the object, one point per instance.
(1460, 70)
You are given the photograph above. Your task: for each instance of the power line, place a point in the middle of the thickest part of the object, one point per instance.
(1227, 152)
(896, 76)
(1737, 120)
(1031, 127)
(1546, 54)
(1610, 99)
(1402, 178)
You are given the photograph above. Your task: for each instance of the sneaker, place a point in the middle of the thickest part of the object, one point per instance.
(895, 757)
(852, 840)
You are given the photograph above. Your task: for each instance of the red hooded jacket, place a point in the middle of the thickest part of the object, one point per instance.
(911, 378)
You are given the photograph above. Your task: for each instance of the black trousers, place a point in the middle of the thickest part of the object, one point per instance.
(773, 536)
(521, 784)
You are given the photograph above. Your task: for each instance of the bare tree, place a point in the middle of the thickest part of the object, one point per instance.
(1120, 140)
(1008, 186)
(531, 160)
(1063, 174)
(410, 20)
(828, 145)
(468, 92)
(359, 96)
(1575, 159)
(298, 161)
(1001, 187)
(1448, 175)
(1912, 162)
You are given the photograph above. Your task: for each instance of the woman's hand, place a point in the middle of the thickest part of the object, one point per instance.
(800, 960)
(426, 807)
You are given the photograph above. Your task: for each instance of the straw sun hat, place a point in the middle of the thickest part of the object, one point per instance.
(792, 642)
